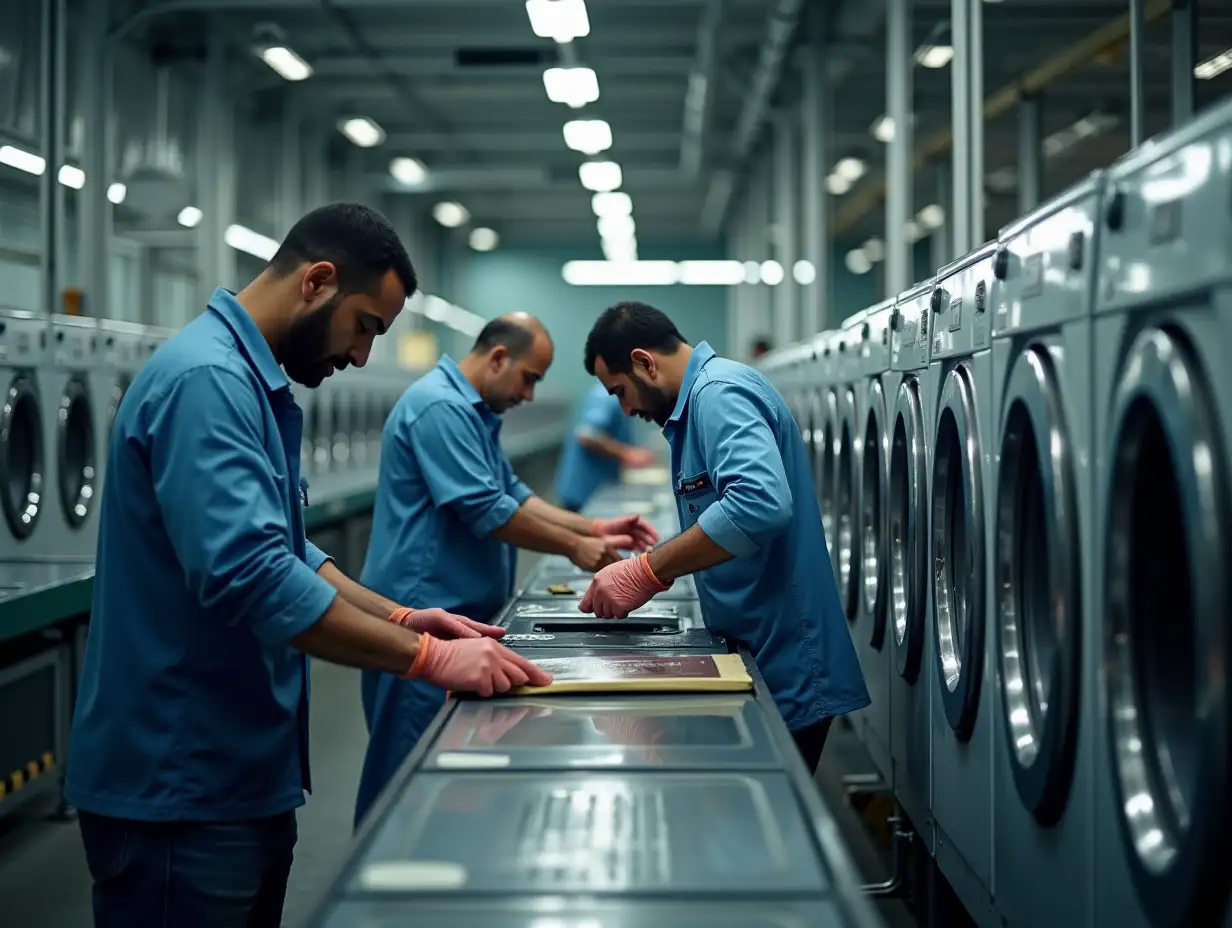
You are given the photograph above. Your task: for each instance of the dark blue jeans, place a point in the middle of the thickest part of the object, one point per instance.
(188, 874)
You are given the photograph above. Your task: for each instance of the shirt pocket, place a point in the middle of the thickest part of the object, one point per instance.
(695, 494)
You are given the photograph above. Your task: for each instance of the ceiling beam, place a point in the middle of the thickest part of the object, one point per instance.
(438, 64)
(526, 88)
(522, 141)
(636, 180)
(448, 33)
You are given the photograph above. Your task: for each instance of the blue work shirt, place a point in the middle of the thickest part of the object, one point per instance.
(193, 705)
(742, 475)
(444, 487)
(581, 471)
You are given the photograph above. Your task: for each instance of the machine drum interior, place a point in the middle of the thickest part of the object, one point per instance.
(905, 522)
(75, 427)
(21, 432)
(1038, 589)
(872, 528)
(846, 513)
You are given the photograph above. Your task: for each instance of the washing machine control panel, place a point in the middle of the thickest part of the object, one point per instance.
(910, 325)
(961, 304)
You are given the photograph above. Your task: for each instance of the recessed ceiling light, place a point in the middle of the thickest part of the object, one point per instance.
(615, 203)
(600, 176)
(573, 86)
(362, 131)
(286, 63)
(589, 136)
(450, 215)
(189, 217)
(408, 171)
(483, 239)
(934, 56)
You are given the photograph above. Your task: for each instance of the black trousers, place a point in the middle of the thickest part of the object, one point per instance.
(811, 741)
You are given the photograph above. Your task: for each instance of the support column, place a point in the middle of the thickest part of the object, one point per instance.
(941, 240)
(94, 220)
(899, 196)
(1137, 47)
(51, 144)
(291, 164)
(815, 129)
(1184, 52)
(1030, 154)
(216, 168)
(316, 167)
(967, 91)
(785, 186)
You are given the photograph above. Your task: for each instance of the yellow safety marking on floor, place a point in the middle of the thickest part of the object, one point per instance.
(4, 788)
(18, 779)
(33, 769)
(49, 760)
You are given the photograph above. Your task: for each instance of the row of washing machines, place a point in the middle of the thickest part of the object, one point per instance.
(688, 810)
(63, 379)
(1023, 470)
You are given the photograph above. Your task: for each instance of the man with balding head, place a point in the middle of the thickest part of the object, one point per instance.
(450, 515)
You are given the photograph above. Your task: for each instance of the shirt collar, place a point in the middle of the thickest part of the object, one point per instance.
(702, 353)
(455, 377)
(249, 338)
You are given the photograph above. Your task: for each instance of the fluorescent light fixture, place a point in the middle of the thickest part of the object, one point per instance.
(837, 185)
(857, 262)
(562, 20)
(573, 86)
(931, 217)
(1003, 179)
(1213, 67)
(771, 273)
(874, 250)
(483, 239)
(116, 193)
(1080, 130)
(72, 176)
(711, 273)
(934, 56)
(850, 169)
(617, 227)
(189, 217)
(589, 136)
(600, 176)
(612, 204)
(408, 171)
(803, 273)
(22, 160)
(621, 273)
(913, 231)
(362, 131)
(883, 129)
(450, 215)
(252, 243)
(615, 249)
(290, 66)
(752, 272)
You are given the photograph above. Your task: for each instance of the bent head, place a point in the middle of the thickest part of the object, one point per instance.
(634, 350)
(346, 276)
(510, 357)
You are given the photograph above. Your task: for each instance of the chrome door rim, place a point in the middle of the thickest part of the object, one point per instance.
(75, 453)
(873, 532)
(846, 503)
(1176, 843)
(22, 410)
(958, 551)
(829, 412)
(114, 400)
(907, 525)
(1038, 582)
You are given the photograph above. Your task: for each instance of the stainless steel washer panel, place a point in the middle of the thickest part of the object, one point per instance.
(651, 834)
(910, 325)
(907, 528)
(707, 732)
(874, 481)
(847, 468)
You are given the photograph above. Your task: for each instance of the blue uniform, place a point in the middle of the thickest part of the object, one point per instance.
(581, 471)
(444, 487)
(742, 475)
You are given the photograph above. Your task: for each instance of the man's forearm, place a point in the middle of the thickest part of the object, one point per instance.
(356, 594)
(687, 553)
(603, 445)
(350, 636)
(527, 529)
(560, 517)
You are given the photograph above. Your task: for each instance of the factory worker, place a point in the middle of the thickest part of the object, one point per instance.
(600, 444)
(751, 535)
(189, 747)
(450, 516)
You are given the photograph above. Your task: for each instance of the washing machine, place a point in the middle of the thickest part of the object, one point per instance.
(72, 412)
(1041, 521)
(871, 481)
(909, 402)
(121, 357)
(23, 452)
(1163, 544)
(848, 377)
(814, 432)
(960, 539)
(827, 424)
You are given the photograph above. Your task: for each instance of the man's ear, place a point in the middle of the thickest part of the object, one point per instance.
(645, 360)
(497, 357)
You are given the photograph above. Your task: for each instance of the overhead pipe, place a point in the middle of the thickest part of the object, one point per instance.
(699, 98)
(857, 206)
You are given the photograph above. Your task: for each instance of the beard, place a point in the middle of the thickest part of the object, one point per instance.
(653, 403)
(305, 348)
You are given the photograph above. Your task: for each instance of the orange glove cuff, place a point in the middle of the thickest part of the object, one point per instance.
(596, 527)
(399, 615)
(421, 657)
(645, 562)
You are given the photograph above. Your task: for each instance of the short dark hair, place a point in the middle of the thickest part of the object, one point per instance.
(625, 327)
(503, 331)
(358, 240)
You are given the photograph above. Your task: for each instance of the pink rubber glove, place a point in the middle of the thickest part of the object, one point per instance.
(473, 665)
(620, 588)
(443, 624)
(634, 527)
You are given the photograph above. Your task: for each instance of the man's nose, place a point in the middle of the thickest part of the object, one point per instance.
(359, 356)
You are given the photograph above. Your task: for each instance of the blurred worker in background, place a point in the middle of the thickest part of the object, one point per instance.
(745, 496)
(450, 515)
(189, 746)
(600, 444)
(761, 348)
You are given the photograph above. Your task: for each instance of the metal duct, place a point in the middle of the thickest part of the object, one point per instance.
(699, 99)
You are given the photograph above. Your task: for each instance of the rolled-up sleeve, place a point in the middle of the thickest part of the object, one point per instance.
(744, 465)
(513, 483)
(224, 507)
(314, 557)
(448, 443)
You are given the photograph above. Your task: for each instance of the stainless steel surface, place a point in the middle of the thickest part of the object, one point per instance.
(651, 834)
(578, 580)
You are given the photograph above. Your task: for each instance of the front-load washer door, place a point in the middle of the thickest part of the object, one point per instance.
(1167, 628)
(75, 452)
(907, 526)
(958, 551)
(21, 456)
(1038, 586)
(872, 543)
(828, 466)
(847, 503)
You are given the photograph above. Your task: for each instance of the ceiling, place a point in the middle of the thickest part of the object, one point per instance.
(458, 85)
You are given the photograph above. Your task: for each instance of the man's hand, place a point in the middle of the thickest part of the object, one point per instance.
(443, 624)
(620, 588)
(640, 531)
(637, 456)
(593, 553)
(473, 665)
